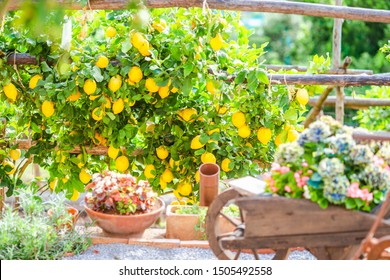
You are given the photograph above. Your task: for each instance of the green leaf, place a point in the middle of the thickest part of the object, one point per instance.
(350, 203)
(323, 203)
(187, 86)
(262, 77)
(291, 114)
(188, 69)
(204, 138)
(126, 46)
(240, 78)
(97, 74)
(110, 115)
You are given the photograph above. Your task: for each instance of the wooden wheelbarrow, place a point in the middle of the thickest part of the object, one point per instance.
(281, 223)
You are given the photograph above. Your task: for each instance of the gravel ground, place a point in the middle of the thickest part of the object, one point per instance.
(136, 252)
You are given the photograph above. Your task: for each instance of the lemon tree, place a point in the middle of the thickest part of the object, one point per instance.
(165, 90)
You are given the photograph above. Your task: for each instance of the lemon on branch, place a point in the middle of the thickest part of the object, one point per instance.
(89, 86)
(137, 39)
(188, 114)
(148, 171)
(216, 43)
(264, 135)
(74, 96)
(208, 157)
(292, 135)
(135, 74)
(110, 32)
(75, 195)
(162, 152)
(184, 188)
(238, 119)
(118, 106)
(97, 114)
(10, 167)
(151, 85)
(244, 131)
(113, 152)
(163, 92)
(47, 108)
(211, 87)
(167, 176)
(195, 143)
(10, 91)
(302, 96)
(84, 176)
(225, 165)
(34, 80)
(122, 163)
(102, 62)
(15, 154)
(115, 83)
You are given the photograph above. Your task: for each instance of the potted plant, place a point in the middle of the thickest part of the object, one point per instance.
(327, 166)
(121, 205)
(187, 222)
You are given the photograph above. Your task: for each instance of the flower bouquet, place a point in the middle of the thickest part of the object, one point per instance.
(115, 193)
(327, 166)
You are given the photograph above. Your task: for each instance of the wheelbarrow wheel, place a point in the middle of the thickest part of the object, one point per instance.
(221, 225)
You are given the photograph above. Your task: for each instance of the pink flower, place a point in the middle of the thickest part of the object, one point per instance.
(275, 166)
(287, 188)
(309, 171)
(296, 175)
(304, 164)
(267, 176)
(284, 169)
(274, 189)
(355, 192)
(305, 179)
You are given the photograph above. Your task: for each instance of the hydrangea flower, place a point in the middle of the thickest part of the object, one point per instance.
(289, 153)
(361, 154)
(341, 143)
(335, 189)
(331, 167)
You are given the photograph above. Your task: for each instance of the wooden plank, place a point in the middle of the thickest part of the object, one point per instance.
(283, 7)
(317, 106)
(336, 50)
(332, 80)
(300, 68)
(361, 135)
(351, 102)
(304, 240)
(270, 216)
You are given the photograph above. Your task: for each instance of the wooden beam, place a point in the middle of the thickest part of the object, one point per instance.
(354, 103)
(300, 68)
(331, 80)
(317, 106)
(282, 7)
(361, 135)
(336, 50)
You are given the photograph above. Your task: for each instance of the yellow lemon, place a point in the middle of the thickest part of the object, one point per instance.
(47, 108)
(264, 135)
(150, 127)
(11, 165)
(208, 157)
(118, 106)
(197, 176)
(162, 152)
(10, 91)
(97, 114)
(135, 74)
(216, 42)
(102, 61)
(292, 135)
(53, 184)
(215, 130)
(178, 196)
(163, 184)
(15, 154)
(184, 188)
(122, 163)
(115, 83)
(244, 131)
(188, 114)
(195, 143)
(110, 32)
(160, 26)
(93, 97)
(238, 119)
(99, 140)
(167, 176)
(151, 85)
(113, 152)
(75, 195)
(175, 165)
(65, 179)
(148, 171)
(221, 110)
(175, 202)
(163, 92)
(84, 176)
(278, 140)
(225, 165)
(211, 87)
(80, 164)
(302, 96)
(144, 49)
(174, 90)
(89, 86)
(107, 102)
(74, 96)
(34, 80)
(137, 40)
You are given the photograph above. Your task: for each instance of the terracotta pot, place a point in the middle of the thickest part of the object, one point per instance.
(73, 212)
(209, 182)
(126, 226)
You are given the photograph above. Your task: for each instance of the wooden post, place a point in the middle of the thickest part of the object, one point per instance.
(337, 33)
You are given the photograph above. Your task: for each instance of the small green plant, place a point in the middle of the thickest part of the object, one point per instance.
(232, 211)
(196, 210)
(30, 234)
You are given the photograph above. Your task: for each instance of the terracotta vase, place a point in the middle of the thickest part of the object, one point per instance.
(209, 182)
(74, 214)
(126, 226)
